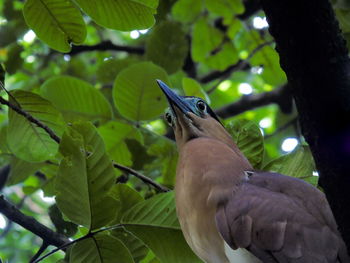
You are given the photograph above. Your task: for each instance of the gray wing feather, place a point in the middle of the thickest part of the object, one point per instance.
(281, 219)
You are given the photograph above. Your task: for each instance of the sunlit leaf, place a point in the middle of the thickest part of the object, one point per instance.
(225, 8)
(298, 163)
(114, 134)
(85, 177)
(250, 141)
(100, 248)
(46, 19)
(193, 88)
(25, 139)
(187, 10)
(167, 46)
(136, 93)
(122, 15)
(76, 99)
(154, 221)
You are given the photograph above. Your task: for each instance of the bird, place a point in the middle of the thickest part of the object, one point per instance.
(230, 213)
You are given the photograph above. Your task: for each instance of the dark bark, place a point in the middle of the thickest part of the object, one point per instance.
(314, 56)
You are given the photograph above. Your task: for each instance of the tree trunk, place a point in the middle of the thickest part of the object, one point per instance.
(314, 56)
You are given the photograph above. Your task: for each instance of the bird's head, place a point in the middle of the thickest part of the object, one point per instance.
(191, 117)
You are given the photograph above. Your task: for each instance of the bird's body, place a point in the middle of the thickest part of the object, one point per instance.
(231, 214)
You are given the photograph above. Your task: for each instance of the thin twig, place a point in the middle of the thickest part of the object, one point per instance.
(30, 118)
(145, 179)
(91, 234)
(41, 250)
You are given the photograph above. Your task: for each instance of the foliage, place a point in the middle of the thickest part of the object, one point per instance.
(92, 82)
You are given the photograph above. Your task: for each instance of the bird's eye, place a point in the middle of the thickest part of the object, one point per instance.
(201, 105)
(169, 118)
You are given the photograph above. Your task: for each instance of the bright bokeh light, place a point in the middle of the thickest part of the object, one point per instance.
(29, 36)
(257, 70)
(30, 59)
(49, 200)
(315, 173)
(289, 144)
(66, 57)
(134, 34)
(225, 85)
(144, 31)
(265, 122)
(245, 88)
(2, 222)
(260, 22)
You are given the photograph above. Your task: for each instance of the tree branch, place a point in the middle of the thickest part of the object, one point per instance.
(240, 65)
(143, 178)
(314, 56)
(30, 223)
(104, 46)
(30, 118)
(280, 96)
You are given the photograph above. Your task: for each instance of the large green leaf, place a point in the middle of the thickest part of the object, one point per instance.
(248, 137)
(84, 178)
(154, 221)
(204, 40)
(298, 163)
(136, 93)
(167, 46)
(114, 134)
(25, 139)
(122, 15)
(100, 248)
(136, 247)
(20, 170)
(193, 88)
(225, 8)
(57, 22)
(126, 197)
(109, 69)
(187, 10)
(76, 99)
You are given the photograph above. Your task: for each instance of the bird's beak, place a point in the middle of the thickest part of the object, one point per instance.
(174, 99)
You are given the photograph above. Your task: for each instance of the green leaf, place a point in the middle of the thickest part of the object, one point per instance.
(136, 247)
(136, 93)
(167, 46)
(25, 139)
(205, 39)
(76, 99)
(109, 69)
(223, 57)
(193, 88)
(166, 161)
(269, 59)
(56, 22)
(126, 197)
(20, 170)
(63, 227)
(124, 15)
(114, 134)
(248, 137)
(298, 163)
(100, 248)
(225, 8)
(154, 221)
(186, 11)
(84, 178)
